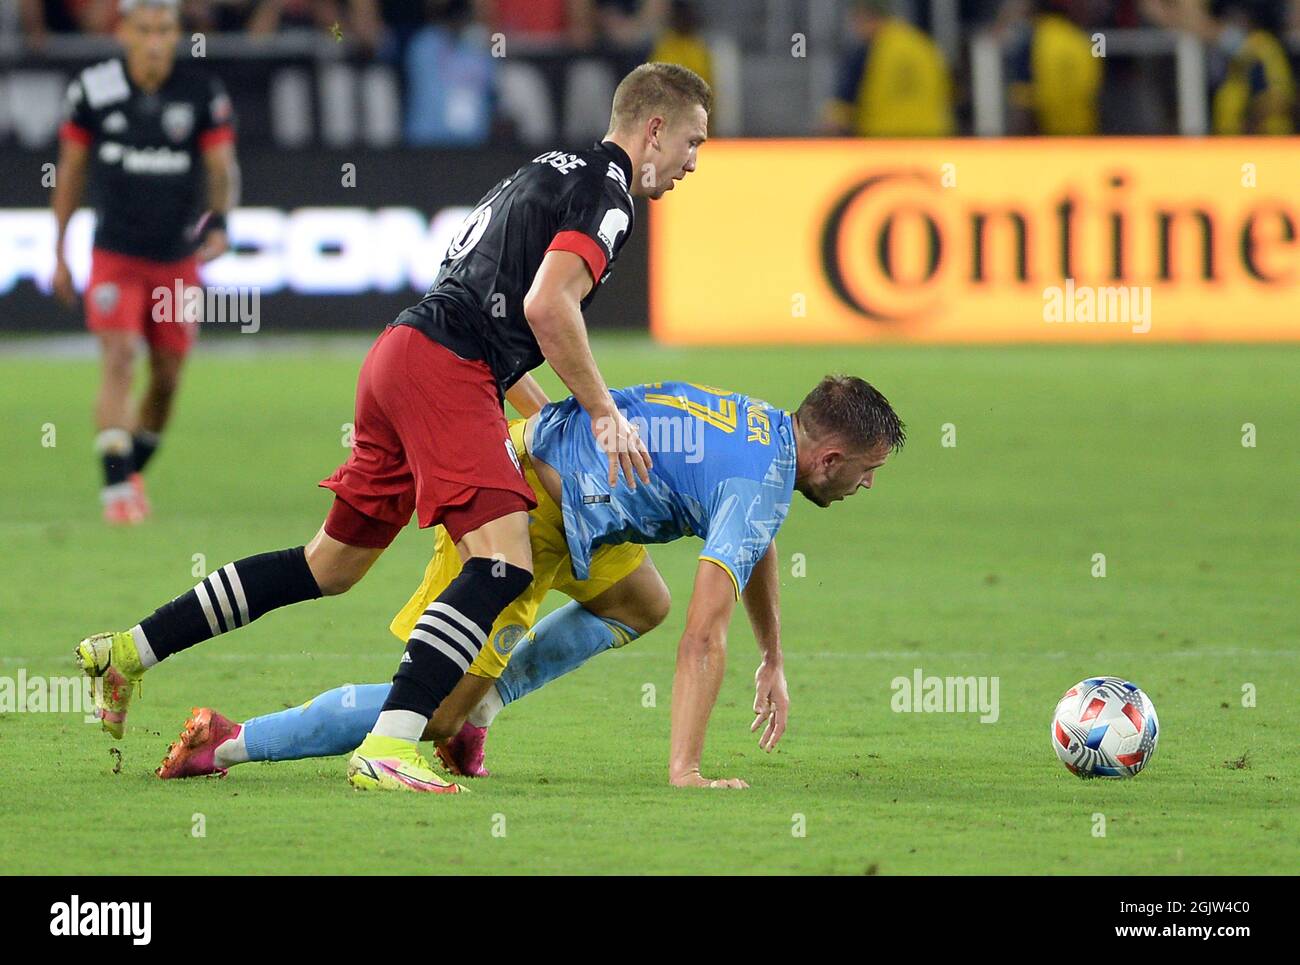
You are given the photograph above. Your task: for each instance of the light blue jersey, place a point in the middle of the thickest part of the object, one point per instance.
(724, 468)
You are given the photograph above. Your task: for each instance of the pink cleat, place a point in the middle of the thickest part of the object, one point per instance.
(191, 755)
(463, 754)
(141, 496)
(123, 511)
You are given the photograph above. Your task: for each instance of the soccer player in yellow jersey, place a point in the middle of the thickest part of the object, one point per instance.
(894, 83)
(682, 43)
(1055, 74)
(1254, 86)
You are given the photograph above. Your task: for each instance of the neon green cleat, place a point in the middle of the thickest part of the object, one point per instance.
(114, 658)
(392, 764)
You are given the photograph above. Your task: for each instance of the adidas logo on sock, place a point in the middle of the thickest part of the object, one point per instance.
(406, 658)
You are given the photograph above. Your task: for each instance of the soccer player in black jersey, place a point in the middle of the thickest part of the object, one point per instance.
(431, 435)
(147, 133)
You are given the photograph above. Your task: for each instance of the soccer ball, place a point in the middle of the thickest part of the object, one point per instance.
(1105, 727)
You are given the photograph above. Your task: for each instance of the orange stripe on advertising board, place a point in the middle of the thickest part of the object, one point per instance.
(1010, 240)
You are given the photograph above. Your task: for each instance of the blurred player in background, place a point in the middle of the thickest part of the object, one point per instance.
(894, 83)
(147, 133)
(682, 41)
(1054, 75)
(731, 487)
(1254, 90)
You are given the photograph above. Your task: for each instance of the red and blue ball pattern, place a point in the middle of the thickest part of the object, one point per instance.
(1105, 727)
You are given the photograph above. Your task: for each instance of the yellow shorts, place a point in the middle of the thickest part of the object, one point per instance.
(551, 571)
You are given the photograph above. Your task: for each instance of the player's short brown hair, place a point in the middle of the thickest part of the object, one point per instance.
(852, 410)
(658, 88)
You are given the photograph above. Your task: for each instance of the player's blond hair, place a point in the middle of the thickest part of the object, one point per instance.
(657, 88)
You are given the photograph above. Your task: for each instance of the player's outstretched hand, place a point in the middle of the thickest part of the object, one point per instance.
(696, 779)
(771, 704)
(62, 285)
(623, 446)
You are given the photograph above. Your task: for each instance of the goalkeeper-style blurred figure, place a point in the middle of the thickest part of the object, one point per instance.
(146, 132)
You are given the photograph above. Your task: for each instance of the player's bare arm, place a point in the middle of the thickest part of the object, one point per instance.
(219, 163)
(553, 309)
(762, 603)
(69, 186)
(452, 713)
(527, 396)
(701, 661)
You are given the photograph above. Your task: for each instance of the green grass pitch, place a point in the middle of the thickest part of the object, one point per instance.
(968, 560)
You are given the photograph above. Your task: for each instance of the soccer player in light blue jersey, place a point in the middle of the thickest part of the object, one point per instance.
(725, 466)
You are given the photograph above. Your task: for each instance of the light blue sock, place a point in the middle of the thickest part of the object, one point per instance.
(336, 722)
(561, 641)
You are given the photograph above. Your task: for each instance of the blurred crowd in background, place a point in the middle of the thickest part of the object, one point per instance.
(380, 25)
(471, 72)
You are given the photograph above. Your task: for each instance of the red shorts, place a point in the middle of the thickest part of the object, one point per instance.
(430, 437)
(126, 294)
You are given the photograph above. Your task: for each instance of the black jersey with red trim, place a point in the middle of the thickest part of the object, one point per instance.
(146, 165)
(576, 202)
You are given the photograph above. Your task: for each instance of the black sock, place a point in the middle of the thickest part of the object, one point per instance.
(114, 448)
(117, 469)
(452, 631)
(233, 596)
(144, 445)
